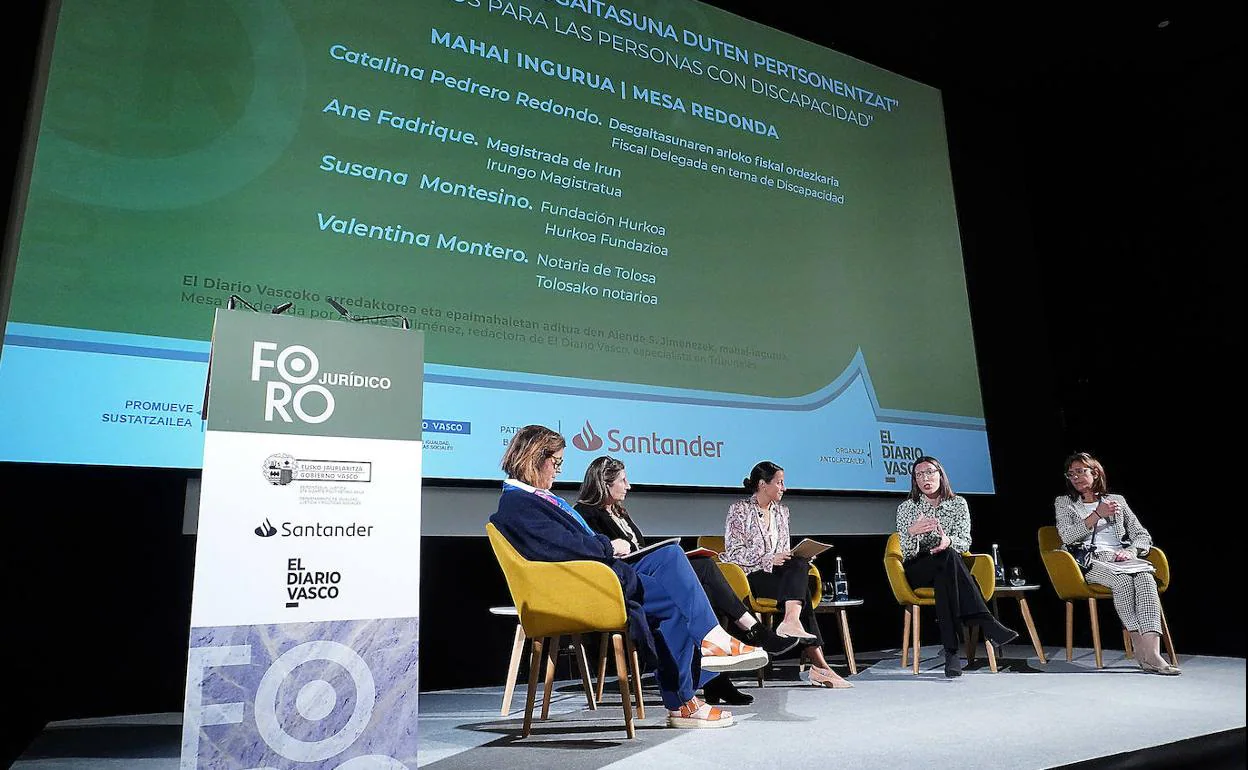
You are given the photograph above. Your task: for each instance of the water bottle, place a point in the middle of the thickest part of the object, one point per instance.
(1000, 571)
(840, 584)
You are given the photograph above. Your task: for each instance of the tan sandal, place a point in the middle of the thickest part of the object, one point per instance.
(696, 714)
(825, 677)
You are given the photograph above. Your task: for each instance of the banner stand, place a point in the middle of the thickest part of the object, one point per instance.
(305, 611)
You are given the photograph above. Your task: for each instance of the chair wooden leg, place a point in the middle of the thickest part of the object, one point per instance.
(1126, 644)
(602, 664)
(992, 656)
(905, 638)
(635, 664)
(1031, 628)
(513, 669)
(1096, 632)
(848, 641)
(535, 665)
(1165, 635)
(1070, 631)
(621, 675)
(972, 643)
(582, 666)
(552, 657)
(914, 609)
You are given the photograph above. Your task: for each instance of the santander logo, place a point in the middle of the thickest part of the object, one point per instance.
(648, 444)
(587, 440)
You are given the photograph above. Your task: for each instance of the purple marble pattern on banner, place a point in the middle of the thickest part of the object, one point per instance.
(342, 690)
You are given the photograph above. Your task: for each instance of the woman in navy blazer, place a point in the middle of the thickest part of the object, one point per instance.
(669, 615)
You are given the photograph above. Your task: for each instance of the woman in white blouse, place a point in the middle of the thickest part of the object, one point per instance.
(1108, 540)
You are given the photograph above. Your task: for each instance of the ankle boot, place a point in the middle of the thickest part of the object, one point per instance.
(953, 664)
(722, 690)
(993, 630)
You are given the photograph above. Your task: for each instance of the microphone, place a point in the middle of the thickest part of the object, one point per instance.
(234, 301)
(342, 311)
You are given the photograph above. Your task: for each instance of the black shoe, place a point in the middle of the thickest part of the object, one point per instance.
(996, 633)
(953, 664)
(772, 643)
(722, 690)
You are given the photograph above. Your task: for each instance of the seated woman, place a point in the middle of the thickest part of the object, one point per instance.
(756, 538)
(669, 616)
(601, 502)
(934, 526)
(1088, 515)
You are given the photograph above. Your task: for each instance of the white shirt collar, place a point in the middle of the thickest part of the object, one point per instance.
(518, 484)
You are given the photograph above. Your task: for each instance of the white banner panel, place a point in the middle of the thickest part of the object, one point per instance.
(305, 614)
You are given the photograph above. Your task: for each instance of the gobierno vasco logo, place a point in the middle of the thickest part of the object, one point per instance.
(279, 469)
(654, 443)
(297, 388)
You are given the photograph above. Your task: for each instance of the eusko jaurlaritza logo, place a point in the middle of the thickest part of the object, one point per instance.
(654, 443)
(279, 469)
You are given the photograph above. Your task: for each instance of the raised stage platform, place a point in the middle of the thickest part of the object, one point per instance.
(1029, 715)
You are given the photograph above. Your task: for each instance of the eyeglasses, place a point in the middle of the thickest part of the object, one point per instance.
(927, 474)
(1075, 473)
(558, 461)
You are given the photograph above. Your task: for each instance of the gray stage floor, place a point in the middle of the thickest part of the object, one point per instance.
(1029, 715)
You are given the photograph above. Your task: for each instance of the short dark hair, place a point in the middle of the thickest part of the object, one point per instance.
(764, 471)
(528, 449)
(945, 491)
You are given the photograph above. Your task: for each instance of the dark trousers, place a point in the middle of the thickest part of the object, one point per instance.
(728, 608)
(958, 599)
(788, 582)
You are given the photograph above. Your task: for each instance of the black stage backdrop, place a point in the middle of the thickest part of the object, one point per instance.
(1098, 166)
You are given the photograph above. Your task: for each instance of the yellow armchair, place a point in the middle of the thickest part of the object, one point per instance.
(981, 568)
(571, 597)
(1068, 582)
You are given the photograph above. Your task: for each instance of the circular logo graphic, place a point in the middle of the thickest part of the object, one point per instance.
(279, 469)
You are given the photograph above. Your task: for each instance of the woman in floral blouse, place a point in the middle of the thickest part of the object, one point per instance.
(934, 526)
(756, 538)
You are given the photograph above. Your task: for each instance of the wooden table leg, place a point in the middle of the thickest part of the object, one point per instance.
(847, 640)
(513, 669)
(1031, 627)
